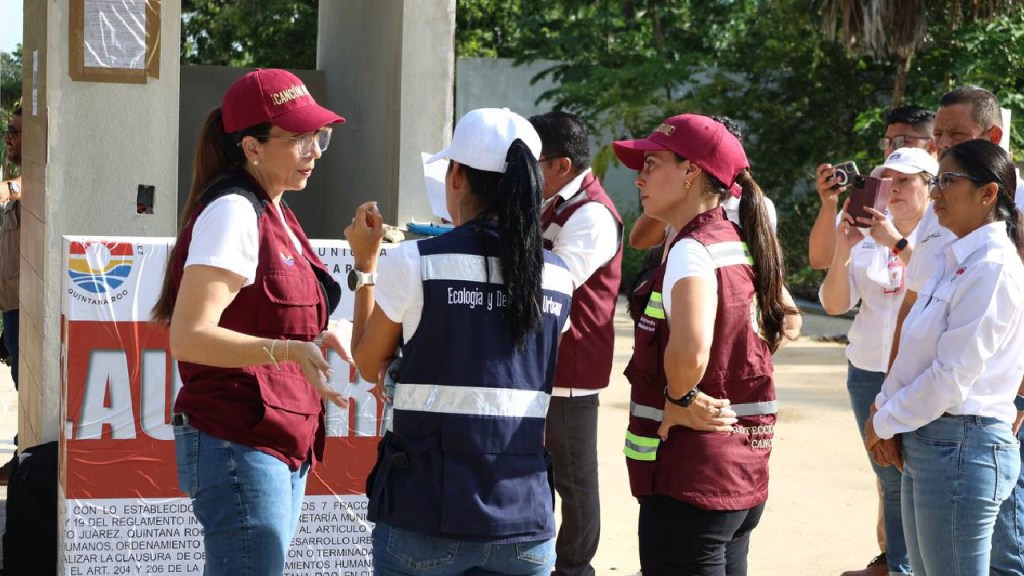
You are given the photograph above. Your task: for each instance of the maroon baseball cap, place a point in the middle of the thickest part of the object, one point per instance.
(701, 140)
(274, 96)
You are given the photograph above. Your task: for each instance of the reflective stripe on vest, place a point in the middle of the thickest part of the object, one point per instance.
(748, 409)
(641, 447)
(730, 254)
(472, 401)
(471, 268)
(655, 307)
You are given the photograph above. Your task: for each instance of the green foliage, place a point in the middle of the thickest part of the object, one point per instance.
(10, 94)
(10, 79)
(264, 33)
(623, 65)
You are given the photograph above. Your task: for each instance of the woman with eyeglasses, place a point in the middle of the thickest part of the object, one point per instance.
(946, 410)
(247, 300)
(868, 268)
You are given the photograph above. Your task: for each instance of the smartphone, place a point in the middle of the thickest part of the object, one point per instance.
(844, 173)
(868, 192)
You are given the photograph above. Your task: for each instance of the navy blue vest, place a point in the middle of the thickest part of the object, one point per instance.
(466, 456)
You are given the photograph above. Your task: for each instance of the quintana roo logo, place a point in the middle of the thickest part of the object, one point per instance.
(100, 267)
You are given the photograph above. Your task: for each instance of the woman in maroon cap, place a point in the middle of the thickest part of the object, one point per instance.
(703, 399)
(247, 300)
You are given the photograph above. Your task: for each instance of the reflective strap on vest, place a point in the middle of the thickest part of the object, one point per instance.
(730, 254)
(641, 447)
(471, 400)
(655, 307)
(471, 268)
(748, 409)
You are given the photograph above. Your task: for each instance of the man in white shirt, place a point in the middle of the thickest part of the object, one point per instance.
(580, 225)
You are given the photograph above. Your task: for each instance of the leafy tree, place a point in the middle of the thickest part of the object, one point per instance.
(10, 94)
(266, 33)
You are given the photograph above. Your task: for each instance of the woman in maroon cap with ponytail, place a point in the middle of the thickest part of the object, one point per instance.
(703, 399)
(247, 301)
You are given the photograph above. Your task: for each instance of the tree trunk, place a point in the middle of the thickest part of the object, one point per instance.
(899, 86)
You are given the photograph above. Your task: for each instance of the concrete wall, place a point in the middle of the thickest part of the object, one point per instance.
(388, 67)
(83, 164)
(497, 83)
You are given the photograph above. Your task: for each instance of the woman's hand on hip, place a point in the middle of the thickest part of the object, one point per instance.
(705, 413)
(364, 235)
(316, 370)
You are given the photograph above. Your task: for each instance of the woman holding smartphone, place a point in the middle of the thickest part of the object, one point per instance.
(867, 268)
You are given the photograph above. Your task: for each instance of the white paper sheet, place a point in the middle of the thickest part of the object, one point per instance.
(115, 34)
(433, 177)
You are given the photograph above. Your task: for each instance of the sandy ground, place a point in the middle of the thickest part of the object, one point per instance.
(820, 515)
(821, 511)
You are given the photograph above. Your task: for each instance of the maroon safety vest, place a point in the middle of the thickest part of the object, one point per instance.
(712, 471)
(274, 411)
(586, 351)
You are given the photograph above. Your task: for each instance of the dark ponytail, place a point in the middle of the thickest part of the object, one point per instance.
(216, 154)
(515, 197)
(988, 163)
(769, 270)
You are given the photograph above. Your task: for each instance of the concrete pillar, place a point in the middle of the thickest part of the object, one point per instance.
(86, 149)
(390, 69)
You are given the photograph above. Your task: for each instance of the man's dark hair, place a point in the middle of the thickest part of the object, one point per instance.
(913, 115)
(984, 104)
(730, 125)
(563, 135)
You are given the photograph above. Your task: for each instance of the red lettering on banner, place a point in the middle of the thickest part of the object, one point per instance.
(120, 386)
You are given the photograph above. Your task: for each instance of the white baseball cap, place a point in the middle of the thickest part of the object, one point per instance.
(909, 161)
(483, 136)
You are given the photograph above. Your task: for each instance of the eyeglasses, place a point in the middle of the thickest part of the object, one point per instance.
(944, 180)
(898, 141)
(305, 142)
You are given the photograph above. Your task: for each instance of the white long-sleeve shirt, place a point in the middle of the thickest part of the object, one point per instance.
(960, 349)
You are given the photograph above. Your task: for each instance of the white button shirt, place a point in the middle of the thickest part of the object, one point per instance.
(872, 330)
(588, 240)
(960, 350)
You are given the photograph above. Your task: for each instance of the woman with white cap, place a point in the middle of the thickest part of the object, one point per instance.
(462, 483)
(703, 408)
(868, 267)
(246, 296)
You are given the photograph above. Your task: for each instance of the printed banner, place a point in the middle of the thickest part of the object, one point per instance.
(120, 506)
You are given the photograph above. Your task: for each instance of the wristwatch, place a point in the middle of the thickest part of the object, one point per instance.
(357, 279)
(899, 246)
(1018, 401)
(686, 400)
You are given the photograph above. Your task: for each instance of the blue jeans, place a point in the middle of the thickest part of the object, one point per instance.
(247, 501)
(863, 386)
(401, 552)
(957, 471)
(1008, 539)
(11, 331)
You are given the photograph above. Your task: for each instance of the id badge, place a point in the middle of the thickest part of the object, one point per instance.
(895, 270)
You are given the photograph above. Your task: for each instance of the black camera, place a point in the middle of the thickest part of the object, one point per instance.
(844, 174)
